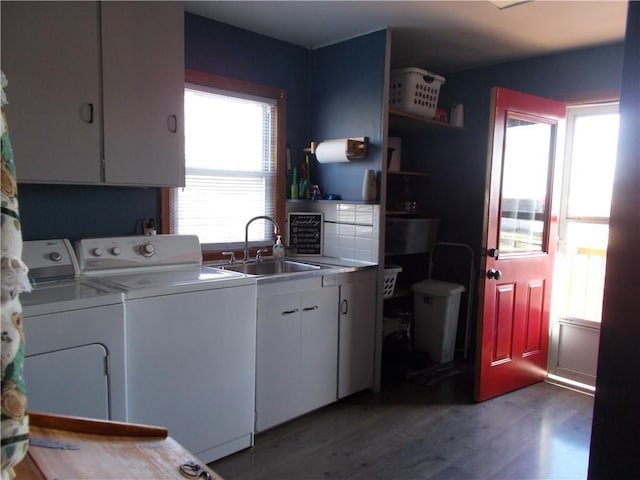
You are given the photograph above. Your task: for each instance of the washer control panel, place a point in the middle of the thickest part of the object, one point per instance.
(49, 259)
(97, 254)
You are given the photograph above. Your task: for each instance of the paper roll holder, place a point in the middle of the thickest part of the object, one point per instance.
(355, 147)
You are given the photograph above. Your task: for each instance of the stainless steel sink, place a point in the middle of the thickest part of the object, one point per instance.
(271, 267)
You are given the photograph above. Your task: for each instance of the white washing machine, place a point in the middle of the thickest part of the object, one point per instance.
(191, 337)
(74, 337)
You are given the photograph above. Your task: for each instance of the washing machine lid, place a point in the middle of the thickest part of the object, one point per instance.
(69, 294)
(153, 282)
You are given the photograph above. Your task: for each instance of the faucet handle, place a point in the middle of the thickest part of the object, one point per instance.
(231, 255)
(259, 254)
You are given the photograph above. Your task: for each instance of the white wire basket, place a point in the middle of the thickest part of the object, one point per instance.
(390, 276)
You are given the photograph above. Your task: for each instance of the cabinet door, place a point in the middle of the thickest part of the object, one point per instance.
(357, 333)
(50, 56)
(143, 89)
(278, 371)
(319, 347)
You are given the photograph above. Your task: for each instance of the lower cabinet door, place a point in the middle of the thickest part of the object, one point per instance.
(357, 334)
(296, 354)
(319, 347)
(278, 372)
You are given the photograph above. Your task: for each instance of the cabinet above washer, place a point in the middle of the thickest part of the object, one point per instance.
(95, 91)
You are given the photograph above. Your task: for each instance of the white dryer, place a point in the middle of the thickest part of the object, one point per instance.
(191, 339)
(74, 337)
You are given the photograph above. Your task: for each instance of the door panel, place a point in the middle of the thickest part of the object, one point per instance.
(533, 333)
(519, 240)
(72, 381)
(503, 323)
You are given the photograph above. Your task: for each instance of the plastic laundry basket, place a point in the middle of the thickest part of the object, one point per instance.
(435, 315)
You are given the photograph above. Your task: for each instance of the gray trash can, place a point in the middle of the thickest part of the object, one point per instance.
(435, 318)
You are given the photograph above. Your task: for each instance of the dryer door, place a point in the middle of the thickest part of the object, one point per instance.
(72, 381)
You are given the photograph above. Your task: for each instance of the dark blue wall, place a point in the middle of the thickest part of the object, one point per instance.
(74, 212)
(347, 92)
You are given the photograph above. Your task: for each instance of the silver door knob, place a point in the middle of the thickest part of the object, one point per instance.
(494, 274)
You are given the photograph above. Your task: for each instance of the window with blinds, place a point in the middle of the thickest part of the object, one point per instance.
(229, 165)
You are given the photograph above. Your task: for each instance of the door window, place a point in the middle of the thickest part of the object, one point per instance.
(525, 184)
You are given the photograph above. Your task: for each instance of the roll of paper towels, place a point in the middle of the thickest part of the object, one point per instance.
(332, 151)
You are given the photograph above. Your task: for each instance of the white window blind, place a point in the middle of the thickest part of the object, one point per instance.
(230, 168)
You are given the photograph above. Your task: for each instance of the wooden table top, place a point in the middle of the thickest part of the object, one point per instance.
(105, 450)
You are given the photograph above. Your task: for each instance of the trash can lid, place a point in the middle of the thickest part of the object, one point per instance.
(437, 288)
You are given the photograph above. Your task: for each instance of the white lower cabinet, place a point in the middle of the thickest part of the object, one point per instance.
(297, 349)
(357, 331)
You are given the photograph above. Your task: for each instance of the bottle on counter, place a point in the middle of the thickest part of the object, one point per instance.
(278, 249)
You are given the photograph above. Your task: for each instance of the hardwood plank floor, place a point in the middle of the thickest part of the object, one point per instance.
(428, 430)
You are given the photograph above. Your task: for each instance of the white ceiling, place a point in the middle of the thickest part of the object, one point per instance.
(442, 36)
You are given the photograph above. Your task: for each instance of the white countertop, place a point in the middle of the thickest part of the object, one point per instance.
(339, 262)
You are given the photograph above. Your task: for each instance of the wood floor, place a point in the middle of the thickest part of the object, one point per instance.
(428, 428)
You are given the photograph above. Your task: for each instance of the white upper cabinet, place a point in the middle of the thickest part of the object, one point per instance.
(143, 90)
(51, 57)
(95, 91)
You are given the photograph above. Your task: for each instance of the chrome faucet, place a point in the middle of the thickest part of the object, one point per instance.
(276, 231)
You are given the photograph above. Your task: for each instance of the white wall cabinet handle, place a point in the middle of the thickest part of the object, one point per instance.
(172, 123)
(86, 112)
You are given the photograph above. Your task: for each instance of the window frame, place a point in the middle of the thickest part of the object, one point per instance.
(242, 87)
(565, 220)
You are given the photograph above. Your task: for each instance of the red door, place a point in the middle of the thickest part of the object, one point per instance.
(520, 239)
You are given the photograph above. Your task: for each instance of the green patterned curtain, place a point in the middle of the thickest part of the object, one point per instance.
(14, 280)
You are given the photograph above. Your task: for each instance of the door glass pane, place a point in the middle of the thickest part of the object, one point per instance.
(586, 259)
(593, 159)
(525, 174)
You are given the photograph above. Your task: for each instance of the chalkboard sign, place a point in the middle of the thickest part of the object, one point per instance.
(305, 233)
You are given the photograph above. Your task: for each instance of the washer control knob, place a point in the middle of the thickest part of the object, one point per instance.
(97, 252)
(147, 249)
(55, 257)
(116, 251)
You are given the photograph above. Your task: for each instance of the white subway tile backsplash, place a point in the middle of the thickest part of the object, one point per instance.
(364, 214)
(346, 213)
(346, 235)
(351, 230)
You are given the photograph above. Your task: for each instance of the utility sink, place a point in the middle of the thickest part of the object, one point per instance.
(271, 267)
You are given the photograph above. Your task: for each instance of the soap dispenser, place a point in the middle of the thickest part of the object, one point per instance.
(278, 249)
